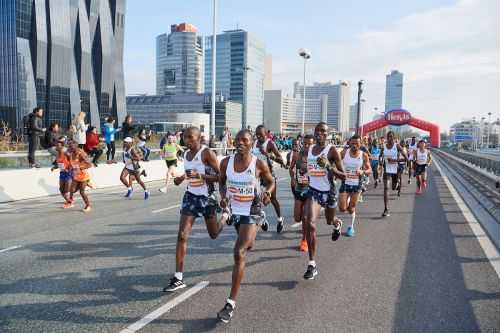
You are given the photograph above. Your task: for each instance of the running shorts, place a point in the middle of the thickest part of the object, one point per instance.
(420, 169)
(65, 176)
(327, 199)
(344, 188)
(171, 163)
(197, 206)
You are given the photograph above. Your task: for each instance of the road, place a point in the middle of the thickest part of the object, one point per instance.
(420, 270)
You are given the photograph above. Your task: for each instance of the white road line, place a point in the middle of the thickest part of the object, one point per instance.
(164, 209)
(488, 247)
(10, 248)
(165, 308)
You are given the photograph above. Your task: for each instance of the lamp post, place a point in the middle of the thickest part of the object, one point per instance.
(360, 92)
(214, 68)
(488, 131)
(306, 55)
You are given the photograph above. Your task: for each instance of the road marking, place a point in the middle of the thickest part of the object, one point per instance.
(164, 209)
(10, 248)
(165, 308)
(488, 247)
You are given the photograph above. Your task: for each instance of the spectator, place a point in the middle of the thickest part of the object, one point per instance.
(109, 138)
(35, 130)
(128, 129)
(92, 145)
(79, 129)
(143, 137)
(50, 139)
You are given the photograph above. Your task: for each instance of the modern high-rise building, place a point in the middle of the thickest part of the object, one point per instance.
(64, 56)
(338, 101)
(179, 57)
(393, 91)
(268, 72)
(240, 72)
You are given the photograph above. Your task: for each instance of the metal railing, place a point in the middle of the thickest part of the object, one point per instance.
(483, 162)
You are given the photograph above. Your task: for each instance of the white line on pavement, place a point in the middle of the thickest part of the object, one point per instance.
(10, 248)
(165, 308)
(485, 242)
(164, 209)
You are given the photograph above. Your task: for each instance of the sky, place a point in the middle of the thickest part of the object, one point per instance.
(448, 50)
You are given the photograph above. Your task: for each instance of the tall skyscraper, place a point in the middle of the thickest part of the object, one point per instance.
(64, 56)
(268, 72)
(240, 72)
(179, 57)
(393, 91)
(338, 101)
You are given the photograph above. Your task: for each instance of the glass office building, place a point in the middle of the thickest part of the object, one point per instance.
(240, 72)
(64, 56)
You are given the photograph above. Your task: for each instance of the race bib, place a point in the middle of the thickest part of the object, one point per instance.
(241, 192)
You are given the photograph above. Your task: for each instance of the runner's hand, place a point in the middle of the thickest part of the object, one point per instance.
(293, 182)
(179, 180)
(223, 202)
(322, 162)
(266, 200)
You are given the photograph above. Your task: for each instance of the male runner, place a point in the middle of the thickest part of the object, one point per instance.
(321, 193)
(401, 165)
(422, 159)
(131, 171)
(65, 172)
(266, 150)
(80, 163)
(295, 149)
(195, 202)
(169, 153)
(374, 161)
(389, 155)
(241, 175)
(356, 165)
(300, 185)
(412, 148)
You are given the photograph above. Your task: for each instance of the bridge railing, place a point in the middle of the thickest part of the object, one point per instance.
(488, 164)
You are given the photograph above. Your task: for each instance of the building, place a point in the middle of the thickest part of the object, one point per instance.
(64, 56)
(353, 117)
(193, 110)
(179, 57)
(268, 72)
(283, 114)
(240, 72)
(338, 101)
(465, 132)
(393, 91)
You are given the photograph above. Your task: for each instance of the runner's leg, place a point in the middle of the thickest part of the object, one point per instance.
(185, 227)
(244, 243)
(214, 228)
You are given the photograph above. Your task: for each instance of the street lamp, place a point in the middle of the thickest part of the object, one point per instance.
(306, 55)
(214, 68)
(488, 131)
(360, 92)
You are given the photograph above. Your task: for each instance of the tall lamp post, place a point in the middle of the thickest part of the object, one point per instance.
(488, 131)
(306, 55)
(214, 68)
(360, 92)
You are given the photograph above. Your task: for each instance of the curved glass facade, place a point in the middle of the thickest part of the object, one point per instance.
(64, 56)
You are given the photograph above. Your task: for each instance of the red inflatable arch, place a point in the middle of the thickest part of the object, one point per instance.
(402, 117)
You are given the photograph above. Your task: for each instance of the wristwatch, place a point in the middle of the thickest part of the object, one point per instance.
(268, 193)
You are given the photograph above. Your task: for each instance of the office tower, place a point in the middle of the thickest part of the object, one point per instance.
(393, 91)
(179, 57)
(240, 72)
(64, 56)
(268, 72)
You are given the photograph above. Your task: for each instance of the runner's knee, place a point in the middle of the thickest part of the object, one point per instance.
(182, 236)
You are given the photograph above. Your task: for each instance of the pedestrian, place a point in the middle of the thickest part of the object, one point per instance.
(79, 129)
(109, 138)
(92, 145)
(143, 137)
(50, 139)
(128, 129)
(35, 130)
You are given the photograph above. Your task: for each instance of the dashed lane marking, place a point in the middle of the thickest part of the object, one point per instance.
(164, 209)
(10, 248)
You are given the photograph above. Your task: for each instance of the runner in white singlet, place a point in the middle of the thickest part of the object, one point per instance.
(422, 160)
(412, 148)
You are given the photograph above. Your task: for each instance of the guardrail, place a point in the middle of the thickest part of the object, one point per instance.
(488, 164)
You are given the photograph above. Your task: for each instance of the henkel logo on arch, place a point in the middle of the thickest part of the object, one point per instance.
(398, 117)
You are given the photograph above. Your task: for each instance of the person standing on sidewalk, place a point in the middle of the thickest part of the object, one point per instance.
(128, 129)
(92, 145)
(79, 129)
(35, 130)
(109, 138)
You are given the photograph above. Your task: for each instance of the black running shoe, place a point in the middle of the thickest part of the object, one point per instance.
(311, 272)
(265, 226)
(174, 285)
(386, 213)
(336, 232)
(226, 313)
(279, 226)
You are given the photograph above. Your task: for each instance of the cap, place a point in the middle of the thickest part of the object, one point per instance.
(128, 139)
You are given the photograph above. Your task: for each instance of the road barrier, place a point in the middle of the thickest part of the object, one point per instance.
(485, 163)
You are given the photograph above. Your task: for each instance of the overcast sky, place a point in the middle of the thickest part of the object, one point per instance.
(449, 51)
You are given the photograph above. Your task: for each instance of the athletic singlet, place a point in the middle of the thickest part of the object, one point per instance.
(422, 157)
(241, 187)
(127, 159)
(412, 150)
(196, 186)
(301, 175)
(318, 177)
(375, 152)
(351, 167)
(63, 162)
(391, 167)
(170, 151)
(258, 153)
(404, 151)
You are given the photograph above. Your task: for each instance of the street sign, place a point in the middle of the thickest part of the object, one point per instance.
(462, 138)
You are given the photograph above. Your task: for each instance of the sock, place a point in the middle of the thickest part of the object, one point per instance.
(129, 188)
(353, 217)
(280, 219)
(230, 301)
(178, 275)
(312, 263)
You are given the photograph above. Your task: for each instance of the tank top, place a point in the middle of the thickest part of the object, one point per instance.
(258, 153)
(375, 152)
(318, 176)
(170, 150)
(242, 187)
(422, 157)
(351, 167)
(391, 167)
(63, 162)
(411, 151)
(196, 186)
(127, 159)
(400, 154)
(301, 175)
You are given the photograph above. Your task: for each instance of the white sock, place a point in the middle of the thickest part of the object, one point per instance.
(178, 275)
(280, 219)
(312, 263)
(129, 188)
(230, 301)
(353, 217)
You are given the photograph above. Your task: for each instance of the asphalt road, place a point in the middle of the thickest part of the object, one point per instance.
(420, 270)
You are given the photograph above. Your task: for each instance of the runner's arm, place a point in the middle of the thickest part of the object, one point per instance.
(402, 152)
(223, 180)
(277, 155)
(334, 159)
(291, 168)
(209, 158)
(265, 175)
(367, 168)
(381, 156)
(429, 158)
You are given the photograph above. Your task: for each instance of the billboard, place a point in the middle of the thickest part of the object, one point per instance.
(398, 117)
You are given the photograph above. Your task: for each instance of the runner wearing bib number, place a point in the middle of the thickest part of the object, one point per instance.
(356, 165)
(374, 161)
(195, 202)
(422, 159)
(412, 148)
(80, 163)
(169, 153)
(65, 172)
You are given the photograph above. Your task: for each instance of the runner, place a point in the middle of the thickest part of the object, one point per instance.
(422, 160)
(412, 148)
(65, 172)
(195, 202)
(132, 169)
(356, 165)
(295, 149)
(401, 165)
(323, 162)
(241, 175)
(389, 156)
(169, 153)
(80, 163)
(299, 184)
(265, 149)
(374, 162)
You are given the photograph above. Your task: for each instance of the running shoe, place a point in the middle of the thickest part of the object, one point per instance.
(386, 213)
(425, 184)
(226, 313)
(296, 225)
(350, 232)
(129, 193)
(68, 205)
(303, 246)
(360, 198)
(280, 225)
(143, 173)
(163, 189)
(419, 191)
(337, 231)
(311, 272)
(146, 195)
(264, 225)
(87, 209)
(174, 284)
(375, 184)
(409, 181)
